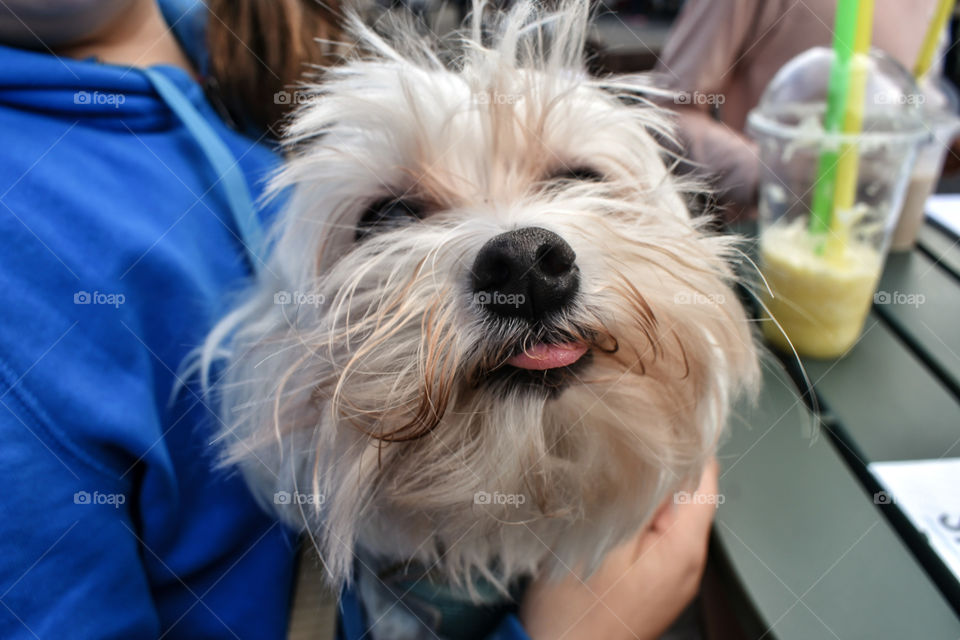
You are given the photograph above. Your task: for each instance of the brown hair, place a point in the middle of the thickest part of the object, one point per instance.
(261, 48)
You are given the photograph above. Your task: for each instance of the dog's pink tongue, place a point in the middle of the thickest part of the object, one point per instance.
(548, 356)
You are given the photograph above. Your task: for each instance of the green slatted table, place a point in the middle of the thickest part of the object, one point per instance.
(808, 551)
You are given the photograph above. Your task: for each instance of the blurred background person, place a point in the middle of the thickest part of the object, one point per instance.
(722, 54)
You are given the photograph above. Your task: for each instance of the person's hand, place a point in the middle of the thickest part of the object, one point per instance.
(641, 587)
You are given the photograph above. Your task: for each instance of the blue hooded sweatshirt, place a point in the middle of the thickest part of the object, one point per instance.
(117, 251)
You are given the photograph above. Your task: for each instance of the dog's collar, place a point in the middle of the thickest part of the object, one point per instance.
(457, 613)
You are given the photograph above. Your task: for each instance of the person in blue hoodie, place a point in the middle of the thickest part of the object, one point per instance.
(126, 219)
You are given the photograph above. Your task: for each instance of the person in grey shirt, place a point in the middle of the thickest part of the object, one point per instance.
(723, 53)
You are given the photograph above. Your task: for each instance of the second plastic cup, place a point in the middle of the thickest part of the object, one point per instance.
(939, 104)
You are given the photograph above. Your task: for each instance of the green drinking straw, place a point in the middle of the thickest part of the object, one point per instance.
(838, 91)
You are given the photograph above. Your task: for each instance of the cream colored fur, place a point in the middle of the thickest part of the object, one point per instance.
(398, 346)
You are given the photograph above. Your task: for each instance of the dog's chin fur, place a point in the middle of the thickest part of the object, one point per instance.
(381, 389)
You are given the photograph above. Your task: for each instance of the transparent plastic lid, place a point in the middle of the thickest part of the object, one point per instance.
(940, 105)
(794, 102)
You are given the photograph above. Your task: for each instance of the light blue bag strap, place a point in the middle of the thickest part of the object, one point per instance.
(231, 179)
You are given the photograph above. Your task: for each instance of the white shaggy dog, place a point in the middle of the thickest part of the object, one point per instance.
(491, 340)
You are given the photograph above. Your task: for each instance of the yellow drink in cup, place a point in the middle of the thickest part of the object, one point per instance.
(819, 301)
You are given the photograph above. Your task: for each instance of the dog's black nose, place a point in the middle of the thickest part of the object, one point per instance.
(525, 273)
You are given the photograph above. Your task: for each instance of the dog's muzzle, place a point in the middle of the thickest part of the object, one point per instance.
(527, 273)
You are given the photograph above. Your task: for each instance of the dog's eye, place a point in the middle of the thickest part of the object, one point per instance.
(577, 174)
(386, 214)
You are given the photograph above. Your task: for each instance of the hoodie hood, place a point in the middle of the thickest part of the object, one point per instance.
(88, 92)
